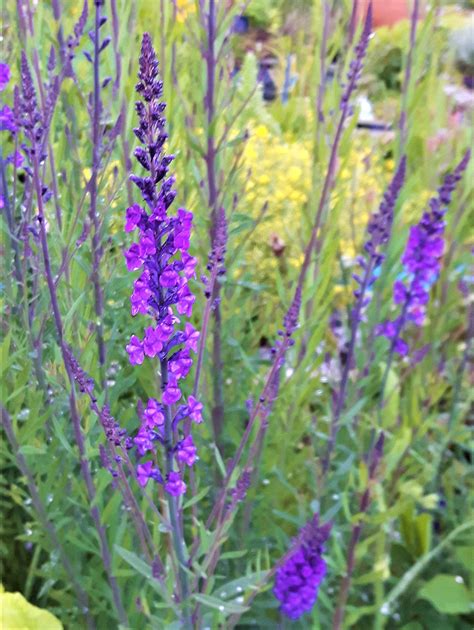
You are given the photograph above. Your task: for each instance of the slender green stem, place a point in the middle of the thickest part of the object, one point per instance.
(177, 537)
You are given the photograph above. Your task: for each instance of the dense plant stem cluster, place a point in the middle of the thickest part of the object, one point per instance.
(33, 126)
(379, 231)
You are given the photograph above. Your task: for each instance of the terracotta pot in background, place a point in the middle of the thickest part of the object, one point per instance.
(387, 12)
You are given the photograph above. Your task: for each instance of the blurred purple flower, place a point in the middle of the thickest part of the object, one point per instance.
(422, 262)
(297, 581)
(174, 484)
(7, 119)
(186, 451)
(4, 75)
(16, 159)
(147, 471)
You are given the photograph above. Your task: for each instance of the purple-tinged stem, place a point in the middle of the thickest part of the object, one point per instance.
(352, 23)
(203, 335)
(217, 413)
(319, 120)
(319, 117)
(43, 517)
(176, 530)
(115, 43)
(364, 503)
(93, 189)
(407, 78)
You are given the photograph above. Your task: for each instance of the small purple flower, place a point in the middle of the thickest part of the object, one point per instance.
(195, 409)
(186, 451)
(297, 581)
(16, 159)
(169, 278)
(189, 265)
(174, 484)
(140, 295)
(4, 76)
(153, 413)
(181, 364)
(7, 119)
(133, 257)
(185, 302)
(191, 336)
(147, 244)
(143, 441)
(135, 350)
(166, 327)
(133, 215)
(172, 392)
(147, 471)
(152, 343)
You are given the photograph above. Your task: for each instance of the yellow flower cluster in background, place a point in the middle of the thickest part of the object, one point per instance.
(184, 8)
(280, 170)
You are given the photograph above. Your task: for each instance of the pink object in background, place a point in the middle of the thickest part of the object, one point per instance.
(387, 12)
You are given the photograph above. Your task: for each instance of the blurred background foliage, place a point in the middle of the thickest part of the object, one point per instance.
(415, 560)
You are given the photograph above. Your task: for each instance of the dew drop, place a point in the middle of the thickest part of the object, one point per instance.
(385, 609)
(24, 414)
(221, 608)
(240, 600)
(459, 579)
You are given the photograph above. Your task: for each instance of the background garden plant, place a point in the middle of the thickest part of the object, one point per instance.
(325, 456)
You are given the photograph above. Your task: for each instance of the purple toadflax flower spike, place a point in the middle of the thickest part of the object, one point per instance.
(298, 579)
(379, 229)
(421, 260)
(161, 291)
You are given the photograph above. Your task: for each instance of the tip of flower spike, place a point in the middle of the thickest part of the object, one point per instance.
(377, 453)
(368, 21)
(463, 163)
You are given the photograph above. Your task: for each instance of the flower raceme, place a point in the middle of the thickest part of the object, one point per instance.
(297, 580)
(161, 291)
(422, 262)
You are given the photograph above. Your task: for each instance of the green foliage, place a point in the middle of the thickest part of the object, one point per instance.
(417, 536)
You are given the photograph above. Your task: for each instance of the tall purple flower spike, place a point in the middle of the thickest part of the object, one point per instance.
(161, 291)
(297, 581)
(379, 230)
(422, 262)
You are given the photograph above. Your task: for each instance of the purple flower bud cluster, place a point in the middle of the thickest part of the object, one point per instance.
(216, 261)
(379, 230)
(161, 291)
(297, 581)
(356, 65)
(422, 262)
(116, 436)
